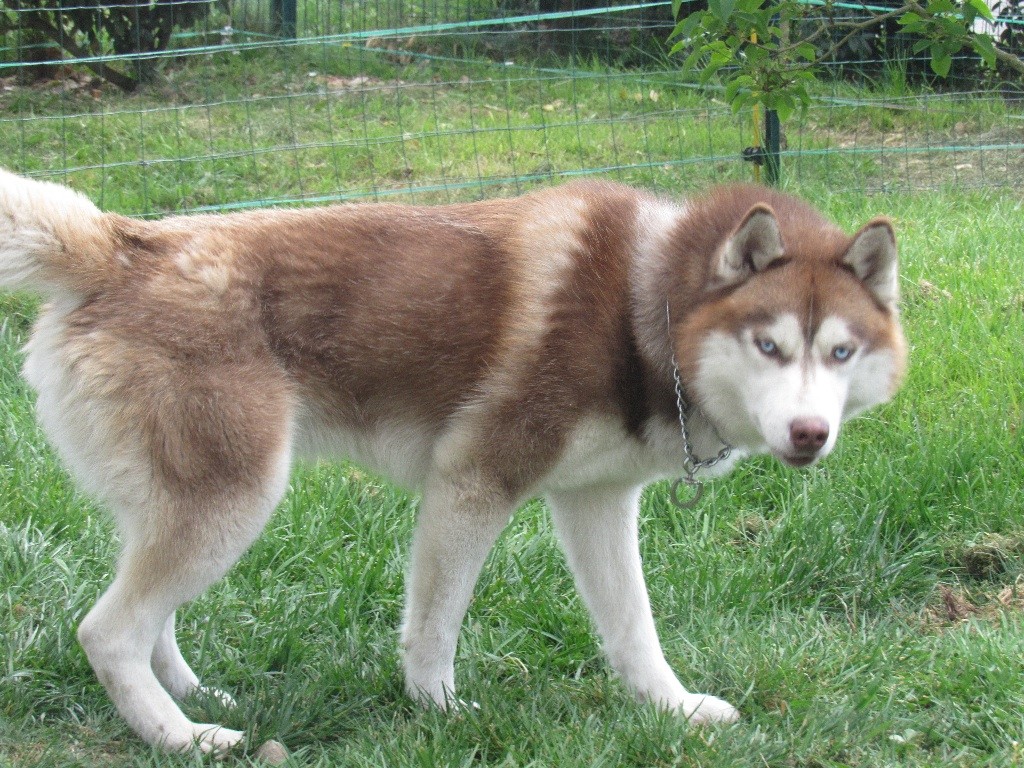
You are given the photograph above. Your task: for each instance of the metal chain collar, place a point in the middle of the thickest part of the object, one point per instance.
(691, 464)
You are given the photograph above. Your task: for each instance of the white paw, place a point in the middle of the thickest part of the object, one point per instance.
(702, 709)
(435, 695)
(215, 739)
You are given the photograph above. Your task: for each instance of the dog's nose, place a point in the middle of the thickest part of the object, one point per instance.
(808, 433)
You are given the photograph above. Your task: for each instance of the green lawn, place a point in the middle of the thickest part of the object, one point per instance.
(867, 612)
(346, 122)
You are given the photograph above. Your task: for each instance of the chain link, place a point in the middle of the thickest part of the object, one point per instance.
(691, 464)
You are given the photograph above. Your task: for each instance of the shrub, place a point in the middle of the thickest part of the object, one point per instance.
(91, 28)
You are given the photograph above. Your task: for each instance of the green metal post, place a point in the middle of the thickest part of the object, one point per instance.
(772, 148)
(284, 15)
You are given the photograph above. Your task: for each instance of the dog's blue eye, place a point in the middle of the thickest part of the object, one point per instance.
(768, 347)
(841, 353)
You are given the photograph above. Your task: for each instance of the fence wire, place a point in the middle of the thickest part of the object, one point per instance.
(441, 101)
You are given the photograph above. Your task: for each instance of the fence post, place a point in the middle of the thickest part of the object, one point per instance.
(284, 17)
(772, 147)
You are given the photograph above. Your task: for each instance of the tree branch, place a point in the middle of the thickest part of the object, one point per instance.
(862, 26)
(1014, 62)
(40, 24)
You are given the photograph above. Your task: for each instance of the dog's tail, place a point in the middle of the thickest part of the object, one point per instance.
(53, 238)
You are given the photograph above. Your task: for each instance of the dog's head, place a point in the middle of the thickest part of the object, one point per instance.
(798, 331)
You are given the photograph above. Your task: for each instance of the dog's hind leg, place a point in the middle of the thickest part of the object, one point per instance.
(598, 530)
(190, 487)
(174, 673)
(130, 627)
(170, 667)
(458, 522)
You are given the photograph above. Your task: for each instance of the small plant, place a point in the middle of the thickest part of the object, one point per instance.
(768, 52)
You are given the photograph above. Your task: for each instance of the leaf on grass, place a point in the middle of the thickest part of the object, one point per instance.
(957, 607)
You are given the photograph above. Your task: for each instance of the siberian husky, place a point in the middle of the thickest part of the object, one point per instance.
(574, 343)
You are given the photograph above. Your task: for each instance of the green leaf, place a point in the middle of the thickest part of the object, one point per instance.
(950, 27)
(941, 61)
(735, 88)
(982, 8)
(721, 9)
(985, 48)
(806, 51)
(684, 29)
(691, 62)
(755, 57)
(784, 105)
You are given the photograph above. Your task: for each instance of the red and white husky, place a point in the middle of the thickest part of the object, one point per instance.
(558, 344)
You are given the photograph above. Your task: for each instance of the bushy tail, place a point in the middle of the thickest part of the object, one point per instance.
(52, 238)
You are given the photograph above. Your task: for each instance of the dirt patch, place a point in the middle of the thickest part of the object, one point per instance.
(990, 556)
(955, 605)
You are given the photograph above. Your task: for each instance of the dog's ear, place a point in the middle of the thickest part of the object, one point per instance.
(872, 257)
(754, 244)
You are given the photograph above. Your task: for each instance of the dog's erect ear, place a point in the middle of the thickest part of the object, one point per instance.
(872, 257)
(755, 244)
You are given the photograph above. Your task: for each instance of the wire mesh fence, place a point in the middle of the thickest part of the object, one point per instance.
(254, 103)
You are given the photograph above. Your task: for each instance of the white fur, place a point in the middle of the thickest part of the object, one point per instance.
(129, 638)
(37, 219)
(79, 422)
(459, 519)
(754, 399)
(656, 220)
(598, 530)
(401, 452)
(600, 452)
(873, 258)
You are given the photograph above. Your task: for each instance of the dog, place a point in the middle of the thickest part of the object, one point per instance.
(575, 343)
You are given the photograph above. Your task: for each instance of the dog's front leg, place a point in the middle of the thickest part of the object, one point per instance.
(598, 529)
(459, 520)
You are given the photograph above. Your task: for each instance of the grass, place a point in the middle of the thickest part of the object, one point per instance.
(837, 606)
(866, 612)
(322, 122)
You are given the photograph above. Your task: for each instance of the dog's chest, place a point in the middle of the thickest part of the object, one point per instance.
(599, 451)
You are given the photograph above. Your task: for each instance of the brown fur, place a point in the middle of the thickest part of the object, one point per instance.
(367, 310)
(362, 312)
